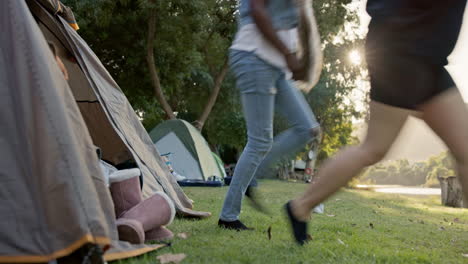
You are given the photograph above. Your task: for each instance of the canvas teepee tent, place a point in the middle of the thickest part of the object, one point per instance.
(111, 121)
(54, 199)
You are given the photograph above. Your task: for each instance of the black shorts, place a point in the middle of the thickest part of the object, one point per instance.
(405, 81)
(406, 54)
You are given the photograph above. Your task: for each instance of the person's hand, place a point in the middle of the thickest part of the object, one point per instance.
(295, 66)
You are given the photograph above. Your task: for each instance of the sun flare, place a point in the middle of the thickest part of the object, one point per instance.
(355, 57)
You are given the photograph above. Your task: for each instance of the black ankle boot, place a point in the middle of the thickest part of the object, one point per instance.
(251, 193)
(234, 225)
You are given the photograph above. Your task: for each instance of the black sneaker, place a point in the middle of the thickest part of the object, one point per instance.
(234, 225)
(251, 193)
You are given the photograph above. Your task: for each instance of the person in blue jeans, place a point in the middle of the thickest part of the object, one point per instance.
(263, 59)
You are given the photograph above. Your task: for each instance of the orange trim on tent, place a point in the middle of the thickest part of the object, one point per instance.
(74, 26)
(58, 254)
(132, 253)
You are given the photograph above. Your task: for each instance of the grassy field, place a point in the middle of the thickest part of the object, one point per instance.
(357, 227)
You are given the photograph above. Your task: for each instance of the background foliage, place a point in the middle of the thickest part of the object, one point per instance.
(404, 173)
(192, 41)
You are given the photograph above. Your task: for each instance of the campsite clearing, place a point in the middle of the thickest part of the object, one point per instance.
(357, 227)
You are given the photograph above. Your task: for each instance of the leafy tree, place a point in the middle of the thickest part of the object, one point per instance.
(174, 49)
(189, 40)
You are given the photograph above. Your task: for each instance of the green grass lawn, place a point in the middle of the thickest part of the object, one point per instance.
(357, 227)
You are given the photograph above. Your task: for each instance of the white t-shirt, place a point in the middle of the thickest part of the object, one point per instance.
(249, 38)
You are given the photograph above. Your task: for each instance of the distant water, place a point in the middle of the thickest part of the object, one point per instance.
(398, 189)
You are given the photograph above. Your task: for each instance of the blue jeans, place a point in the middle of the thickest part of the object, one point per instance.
(265, 89)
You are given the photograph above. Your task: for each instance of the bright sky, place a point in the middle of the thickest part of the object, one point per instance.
(458, 61)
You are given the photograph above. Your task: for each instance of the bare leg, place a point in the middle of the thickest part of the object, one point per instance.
(384, 126)
(447, 116)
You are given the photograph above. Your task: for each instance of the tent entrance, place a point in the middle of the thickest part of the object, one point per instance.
(181, 159)
(99, 127)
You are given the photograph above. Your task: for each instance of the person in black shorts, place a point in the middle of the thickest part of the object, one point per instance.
(406, 50)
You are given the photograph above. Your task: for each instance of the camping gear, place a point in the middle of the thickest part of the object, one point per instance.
(201, 183)
(55, 202)
(110, 119)
(190, 155)
(165, 158)
(168, 162)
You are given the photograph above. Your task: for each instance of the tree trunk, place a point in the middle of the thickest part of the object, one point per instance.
(283, 171)
(152, 68)
(292, 170)
(451, 192)
(200, 122)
